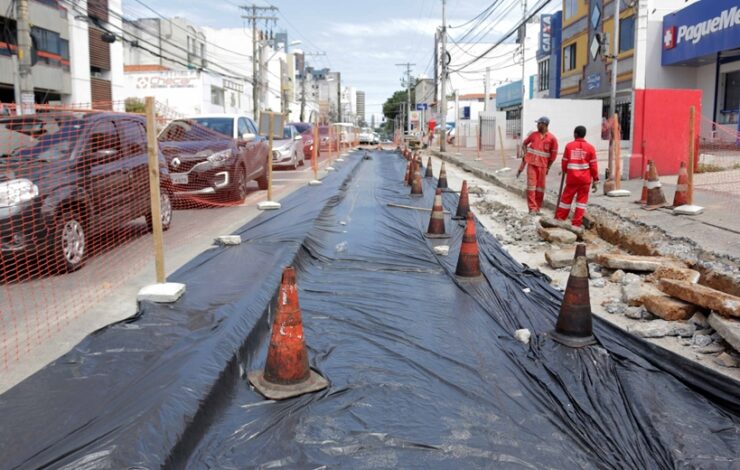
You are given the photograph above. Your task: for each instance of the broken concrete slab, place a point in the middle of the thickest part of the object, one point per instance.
(726, 360)
(700, 320)
(563, 257)
(228, 240)
(715, 300)
(713, 348)
(668, 308)
(727, 328)
(634, 293)
(633, 262)
(442, 250)
(617, 276)
(638, 313)
(661, 328)
(549, 222)
(557, 235)
(675, 272)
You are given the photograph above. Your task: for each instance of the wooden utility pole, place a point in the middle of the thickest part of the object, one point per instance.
(154, 190)
(256, 13)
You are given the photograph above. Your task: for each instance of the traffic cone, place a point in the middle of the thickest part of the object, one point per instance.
(286, 372)
(436, 227)
(406, 176)
(609, 183)
(463, 205)
(682, 187)
(416, 187)
(655, 196)
(429, 173)
(573, 327)
(468, 263)
(412, 170)
(442, 182)
(420, 163)
(643, 196)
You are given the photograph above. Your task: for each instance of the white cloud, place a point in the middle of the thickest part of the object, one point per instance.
(387, 28)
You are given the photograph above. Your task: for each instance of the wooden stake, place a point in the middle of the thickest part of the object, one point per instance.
(154, 195)
(269, 159)
(503, 154)
(314, 162)
(692, 155)
(617, 138)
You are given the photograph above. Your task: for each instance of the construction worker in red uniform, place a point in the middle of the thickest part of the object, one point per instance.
(581, 172)
(540, 151)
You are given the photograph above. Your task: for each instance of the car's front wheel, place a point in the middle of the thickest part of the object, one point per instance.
(166, 210)
(240, 189)
(70, 241)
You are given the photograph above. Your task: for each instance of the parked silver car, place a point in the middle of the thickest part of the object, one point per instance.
(288, 151)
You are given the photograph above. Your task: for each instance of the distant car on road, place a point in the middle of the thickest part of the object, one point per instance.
(366, 136)
(86, 174)
(288, 151)
(328, 139)
(212, 154)
(306, 131)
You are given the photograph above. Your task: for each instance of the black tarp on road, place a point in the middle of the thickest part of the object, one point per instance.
(424, 369)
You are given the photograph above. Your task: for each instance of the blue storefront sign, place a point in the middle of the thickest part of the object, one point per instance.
(737, 142)
(701, 29)
(555, 35)
(509, 95)
(593, 81)
(545, 43)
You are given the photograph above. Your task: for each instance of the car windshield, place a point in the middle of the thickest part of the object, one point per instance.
(55, 144)
(286, 133)
(302, 127)
(183, 130)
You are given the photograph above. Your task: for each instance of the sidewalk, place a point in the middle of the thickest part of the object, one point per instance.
(715, 233)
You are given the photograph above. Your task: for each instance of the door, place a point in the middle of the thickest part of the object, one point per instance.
(106, 180)
(135, 164)
(256, 150)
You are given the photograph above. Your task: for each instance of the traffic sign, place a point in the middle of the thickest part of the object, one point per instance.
(422, 106)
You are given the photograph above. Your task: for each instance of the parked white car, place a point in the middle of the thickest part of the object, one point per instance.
(288, 151)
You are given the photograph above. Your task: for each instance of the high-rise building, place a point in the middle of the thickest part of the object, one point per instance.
(361, 107)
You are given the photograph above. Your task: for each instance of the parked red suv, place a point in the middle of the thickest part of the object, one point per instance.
(306, 131)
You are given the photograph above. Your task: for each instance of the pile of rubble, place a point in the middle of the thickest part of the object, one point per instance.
(518, 227)
(662, 294)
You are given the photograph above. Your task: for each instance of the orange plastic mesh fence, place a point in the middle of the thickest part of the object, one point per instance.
(75, 205)
(719, 159)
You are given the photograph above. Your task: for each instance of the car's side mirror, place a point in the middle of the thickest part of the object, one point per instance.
(298, 137)
(247, 137)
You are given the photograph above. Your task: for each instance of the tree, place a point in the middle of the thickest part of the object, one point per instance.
(135, 105)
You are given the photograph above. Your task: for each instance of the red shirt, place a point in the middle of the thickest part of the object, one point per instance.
(541, 151)
(579, 162)
(432, 124)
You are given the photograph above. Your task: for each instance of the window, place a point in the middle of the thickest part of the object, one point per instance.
(252, 127)
(217, 95)
(64, 49)
(104, 137)
(570, 7)
(569, 57)
(627, 34)
(133, 137)
(732, 90)
(243, 127)
(543, 75)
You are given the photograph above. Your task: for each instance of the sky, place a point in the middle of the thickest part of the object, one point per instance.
(362, 40)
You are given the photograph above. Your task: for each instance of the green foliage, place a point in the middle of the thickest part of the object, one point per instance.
(135, 105)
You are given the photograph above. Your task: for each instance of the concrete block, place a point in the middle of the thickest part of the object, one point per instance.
(549, 222)
(634, 294)
(314, 183)
(563, 257)
(268, 205)
(661, 328)
(167, 292)
(227, 240)
(633, 262)
(675, 272)
(688, 210)
(557, 235)
(704, 296)
(668, 308)
(727, 328)
(442, 250)
(619, 193)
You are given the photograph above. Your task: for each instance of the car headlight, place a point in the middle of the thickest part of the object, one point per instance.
(309, 142)
(17, 191)
(219, 158)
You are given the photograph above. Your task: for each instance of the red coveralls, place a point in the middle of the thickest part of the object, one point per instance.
(541, 153)
(579, 166)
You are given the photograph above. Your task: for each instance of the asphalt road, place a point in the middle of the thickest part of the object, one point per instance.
(43, 316)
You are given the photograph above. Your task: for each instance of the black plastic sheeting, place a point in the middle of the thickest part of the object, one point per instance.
(424, 369)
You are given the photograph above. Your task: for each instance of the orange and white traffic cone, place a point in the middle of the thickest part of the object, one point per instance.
(463, 205)
(574, 328)
(412, 170)
(682, 187)
(286, 373)
(406, 176)
(442, 181)
(416, 186)
(655, 197)
(436, 227)
(468, 263)
(429, 173)
(643, 196)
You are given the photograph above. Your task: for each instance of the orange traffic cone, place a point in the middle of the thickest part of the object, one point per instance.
(643, 196)
(429, 173)
(416, 187)
(442, 182)
(406, 176)
(682, 187)
(412, 170)
(436, 227)
(468, 263)
(463, 205)
(286, 372)
(655, 197)
(573, 327)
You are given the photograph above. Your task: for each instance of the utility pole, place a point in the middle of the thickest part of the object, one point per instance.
(443, 114)
(408, 66)
(339, 97)
(524, 75)
(436, 70)
(24, 105)
(254, 14)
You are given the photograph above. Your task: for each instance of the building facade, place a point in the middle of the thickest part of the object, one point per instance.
(360, 97)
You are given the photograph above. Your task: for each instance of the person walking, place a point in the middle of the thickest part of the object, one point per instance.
(581, 171)
(540, 150)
